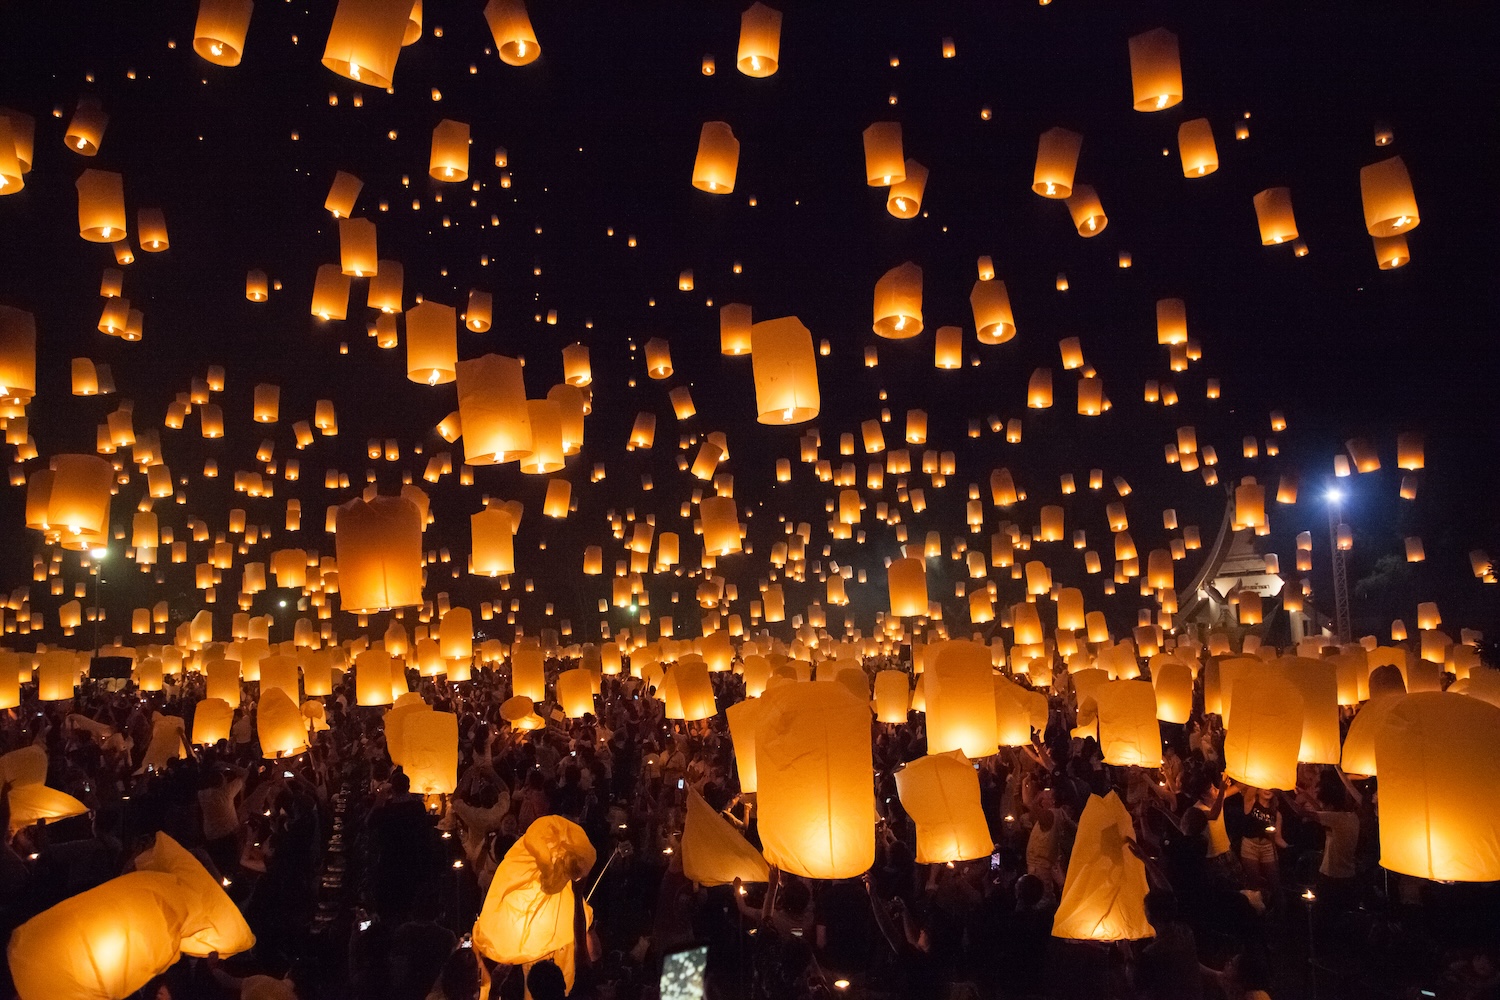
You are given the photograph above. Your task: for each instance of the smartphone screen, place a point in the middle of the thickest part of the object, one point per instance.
(682, 974)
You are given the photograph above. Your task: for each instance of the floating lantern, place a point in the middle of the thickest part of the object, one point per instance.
(1155, 70)
(1056, 161)
(1088, 213)
(365, 39)
(1273, 211)
(379, 553)
(511, 27)
(898, 302)
(718, 159)
(760, 41)
(885, 163)
(908, 587)
(940, 792)
(432, 345)
(992, 314)
(1264, 731)
(1195, 144)
(450, 151)
(905, 198)
(101, 206)
(1390, 206)
(786, 371)
(960, 699)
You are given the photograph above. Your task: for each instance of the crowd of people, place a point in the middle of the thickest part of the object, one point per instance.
(356, 887)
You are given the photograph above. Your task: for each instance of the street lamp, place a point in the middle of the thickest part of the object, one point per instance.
(1335, 497)
(98, 555)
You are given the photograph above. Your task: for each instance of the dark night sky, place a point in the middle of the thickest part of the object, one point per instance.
(601, 132)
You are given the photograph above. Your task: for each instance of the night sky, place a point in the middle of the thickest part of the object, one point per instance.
(601, 134)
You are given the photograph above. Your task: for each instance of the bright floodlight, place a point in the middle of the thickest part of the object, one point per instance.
(99, 553)
(1334, 495)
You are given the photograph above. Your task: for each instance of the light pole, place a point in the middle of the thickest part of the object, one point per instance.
(98, 555)
(1335, 498)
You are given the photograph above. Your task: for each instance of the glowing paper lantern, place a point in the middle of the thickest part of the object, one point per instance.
(1104, 894)
(1438, 765)
(1195, 144)
(1173, 681)
(104, 943)
(904, 200)
(330, 298)
(514, 37)
(786, 371)
(721, 526)
(493, 409)
(817, 802)
(450, 151)
(1087, 211)
(941, 794)
(219, 34)
(212, 719)
(365, 40)
(279, 725)
(575, 692)
(892, 696)
(1264, 730)
(1273, 211)
(18, 356)
(379, 553)
(718, 159)
(1056, 161)
(760, 41)
(528, 912)
(992, 313)
(907, 578)
(101, 206)
(1128, 730)
(432, 345)
(429, 752)
(1155, 70)
(213, 923)
(1390, 206)
(37, 803)
(713, 852)
(960, 699)
(898, 302)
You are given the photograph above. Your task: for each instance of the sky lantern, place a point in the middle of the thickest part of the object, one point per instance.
(940, 792)
(1155, 70)
(330, 298)
(907, 578)
(1104, 894)
(1391, 252)
(718, 159)
(18, 355)
(511, 26)
(1264, 730)
(212, 718)
(576, 368)
(101, 206)
(219, 34)
(85, 131)
(546, 456)
(1195, 145)
(1087, 211)
(528, 913)
(1273, 211)
(815, 797)
(429, 752)
(104, 943)
(365, 38)
(1173, 681)
(493, 410)
(1039, 389)
(892, 696)
(960, 700)
(279, 725)
(786, 371)
(904, 200)
(342, 194)
(898, 302)
(432, 344)
(1390, 205)
(734, 329)
(1438, 767)
(1171, 322)
(1128, 730)
(658, 358)
(948, 350)
(721, 526)
(492, 535)
(450, 151)
(12, 175)
(1056, 161)
(78, 500)
(885, 163)
(379, 552)
(744, 717)
(760, 41)
(214, 923)
(357, 254)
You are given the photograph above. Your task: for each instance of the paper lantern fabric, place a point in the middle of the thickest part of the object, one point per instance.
(941, 794)
(211, 923)
(212, 719)
(713, 852)
(102, 944)
(816, 796)
(1174, 691)
(1439, 766)
(528, 912)
(429, 752)
(167, 732)
(1104, 894)
(1261, 747)
(1128, 730)
(961, 700)
(40, 804)
(379, 551)
(26, 766)
(743, 718)
(1013, 715)
(892, 696)
(1317, 680)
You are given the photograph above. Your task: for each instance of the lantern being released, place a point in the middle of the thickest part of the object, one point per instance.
(760, 41)
(219, 35)
(365, 40)
(960, 700)
(1439, 767)
(511, 27)
(941, 794)
(908, 587)
(713, 852)
(450, 151)
(813, 760)
(1104, 895)
(1056, 161)
(898, 302)
(528, 911)
(786, 371)
(1390, 205)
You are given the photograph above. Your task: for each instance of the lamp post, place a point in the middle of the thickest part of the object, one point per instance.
(1335, 498)
(98, 555)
